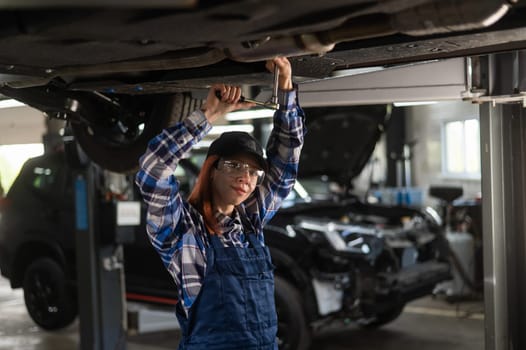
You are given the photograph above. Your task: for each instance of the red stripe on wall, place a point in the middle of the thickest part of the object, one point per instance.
(141, 297)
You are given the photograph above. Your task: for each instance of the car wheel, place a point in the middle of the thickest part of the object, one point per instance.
(50, 302)
(117, 139)
(383, 318)
(293, 331)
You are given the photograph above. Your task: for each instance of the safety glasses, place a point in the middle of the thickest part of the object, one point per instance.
(236, 168)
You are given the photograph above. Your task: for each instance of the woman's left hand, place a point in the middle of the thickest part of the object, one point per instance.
(285, 72)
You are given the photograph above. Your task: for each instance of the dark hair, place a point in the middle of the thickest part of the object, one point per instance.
(202, 195)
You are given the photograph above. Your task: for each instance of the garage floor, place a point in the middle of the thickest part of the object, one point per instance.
(430, 324)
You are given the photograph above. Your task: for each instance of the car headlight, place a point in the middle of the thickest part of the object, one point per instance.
(347, 238)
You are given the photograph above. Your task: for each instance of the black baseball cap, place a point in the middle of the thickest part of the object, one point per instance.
(237, 142)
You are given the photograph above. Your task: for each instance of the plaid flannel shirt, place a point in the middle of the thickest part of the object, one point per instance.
(176, 229)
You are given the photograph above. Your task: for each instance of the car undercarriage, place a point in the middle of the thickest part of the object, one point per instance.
(118, 73)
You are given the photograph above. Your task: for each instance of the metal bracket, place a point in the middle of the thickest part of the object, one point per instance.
(520, 97)
(476, 94)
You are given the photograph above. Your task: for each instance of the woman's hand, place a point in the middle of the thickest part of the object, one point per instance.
(285, 72)
(216, 107)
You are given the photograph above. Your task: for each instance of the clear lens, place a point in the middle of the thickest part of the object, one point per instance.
(236, 168)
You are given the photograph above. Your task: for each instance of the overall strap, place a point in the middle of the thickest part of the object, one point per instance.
(215, 241)
(248, 228)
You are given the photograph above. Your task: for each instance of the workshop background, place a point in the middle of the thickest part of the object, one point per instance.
(451, 318)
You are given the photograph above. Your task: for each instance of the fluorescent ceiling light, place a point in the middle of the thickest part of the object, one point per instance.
(356, 71)
(413, 103)
(249, 115)
(219, 129)
(10, 103)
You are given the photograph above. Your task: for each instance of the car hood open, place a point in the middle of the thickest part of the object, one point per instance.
(340, 140)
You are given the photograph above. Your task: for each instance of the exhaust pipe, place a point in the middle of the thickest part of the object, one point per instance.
(433, 17)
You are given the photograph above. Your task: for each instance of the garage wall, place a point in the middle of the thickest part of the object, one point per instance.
(21, 125)
(423, 124)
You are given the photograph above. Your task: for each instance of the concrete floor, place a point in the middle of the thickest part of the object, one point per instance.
(430, 324)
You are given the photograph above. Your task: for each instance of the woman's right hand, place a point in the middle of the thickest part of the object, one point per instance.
(285, 72)
(216, 107)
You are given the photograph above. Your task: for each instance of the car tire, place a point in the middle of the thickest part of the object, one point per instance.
(383, 318)
(49, 300)
(107, 145)
(293, 331)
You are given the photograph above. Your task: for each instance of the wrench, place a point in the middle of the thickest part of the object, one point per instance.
(272, 104)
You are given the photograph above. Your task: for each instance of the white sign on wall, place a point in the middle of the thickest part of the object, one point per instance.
(128, 213)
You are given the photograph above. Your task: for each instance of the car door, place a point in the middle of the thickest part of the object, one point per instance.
(46, 209)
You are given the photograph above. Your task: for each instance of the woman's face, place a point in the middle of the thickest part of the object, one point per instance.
(233, 181)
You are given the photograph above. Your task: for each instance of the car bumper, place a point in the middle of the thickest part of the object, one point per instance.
(418, 280)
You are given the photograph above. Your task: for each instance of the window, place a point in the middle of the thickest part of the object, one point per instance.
(461, 148)
(12, 157)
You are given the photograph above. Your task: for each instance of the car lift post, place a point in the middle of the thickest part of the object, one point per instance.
(499, 80)
(100, 272)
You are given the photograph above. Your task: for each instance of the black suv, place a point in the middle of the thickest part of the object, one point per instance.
(336, 260)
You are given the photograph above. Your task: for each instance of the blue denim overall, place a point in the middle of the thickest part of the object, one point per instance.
(235, 308)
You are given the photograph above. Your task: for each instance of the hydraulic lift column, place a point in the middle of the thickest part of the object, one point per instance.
(502, 81)
(100, 272)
